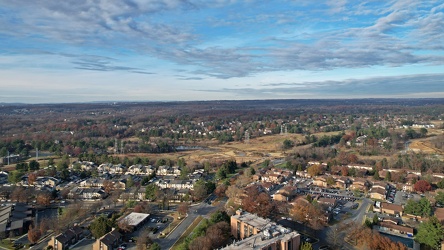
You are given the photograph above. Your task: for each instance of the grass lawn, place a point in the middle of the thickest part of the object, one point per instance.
(6, 244)
(187, 232)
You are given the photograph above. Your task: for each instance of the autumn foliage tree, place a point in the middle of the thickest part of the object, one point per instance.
(308, 213)
(315, 170)
(108, 186)
(33, 234)
(183, 208)
(32, 177)
(220, 190)
(422, 186)
(259, 203)
(366, 238)
(44, 198)
(219, 234)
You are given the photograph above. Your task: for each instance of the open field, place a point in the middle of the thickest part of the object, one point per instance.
(424, 146)
(256, 150)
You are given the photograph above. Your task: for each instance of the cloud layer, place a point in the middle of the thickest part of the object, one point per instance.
(199, 40)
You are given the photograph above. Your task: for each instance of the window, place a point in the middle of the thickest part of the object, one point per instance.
(251, 231)
(245, 231)
(289, 246)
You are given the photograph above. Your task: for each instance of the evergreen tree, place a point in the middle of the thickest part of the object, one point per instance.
(100, 226)
(430, 233)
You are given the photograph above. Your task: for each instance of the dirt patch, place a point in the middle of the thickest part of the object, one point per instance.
(424, 146)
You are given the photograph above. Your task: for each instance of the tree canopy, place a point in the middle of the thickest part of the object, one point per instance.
(151, 191)
(422, 186)
(100, 226)
(421, 208)
(430, 233)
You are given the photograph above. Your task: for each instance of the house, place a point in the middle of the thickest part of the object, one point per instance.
(47, 181)
(359, 184)
(391, 209)
(329, 202)
(15, 219)
(87, 193)
(257, 177)
(320, 181)
(343, 182)
(117, 169)
(408, 187)
(285, 194)
(92, 182)
(268, 186)
(83, 165)
(175, 184)
(140, 170)
(303, 174)
(109, 241)
(380, 184)
(390, 228)
(66, 239)
(378, 193)
(274, 178)
(167, 170)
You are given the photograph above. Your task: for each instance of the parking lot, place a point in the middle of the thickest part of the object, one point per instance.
(329, 193)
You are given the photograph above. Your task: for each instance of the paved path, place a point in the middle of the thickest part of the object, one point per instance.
(202, 209)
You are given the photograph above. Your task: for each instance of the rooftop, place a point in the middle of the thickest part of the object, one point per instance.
(393, 207)
(135, 219)
(261, 240)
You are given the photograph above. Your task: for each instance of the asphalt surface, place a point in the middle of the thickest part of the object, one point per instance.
(201, 209)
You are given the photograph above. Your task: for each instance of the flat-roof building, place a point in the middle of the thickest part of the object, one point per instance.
(255, 232)
(135, 220)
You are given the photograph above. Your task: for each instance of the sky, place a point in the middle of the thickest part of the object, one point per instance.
(180, 50)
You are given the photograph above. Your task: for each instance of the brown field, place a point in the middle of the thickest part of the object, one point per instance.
(424, 146)
(257, 149)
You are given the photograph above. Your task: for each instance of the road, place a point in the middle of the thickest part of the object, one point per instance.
(358, 215)
(201, 209)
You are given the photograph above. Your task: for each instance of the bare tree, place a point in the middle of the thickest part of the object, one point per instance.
(33, 235)
(124, 225)
(183, 208)
(143, 240)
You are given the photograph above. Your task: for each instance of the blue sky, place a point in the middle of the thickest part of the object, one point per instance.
(166, 50)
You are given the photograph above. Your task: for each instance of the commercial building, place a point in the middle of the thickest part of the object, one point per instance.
(134, 220)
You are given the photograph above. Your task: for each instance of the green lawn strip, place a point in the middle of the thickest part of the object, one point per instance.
(187, 232)
(6, 244)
